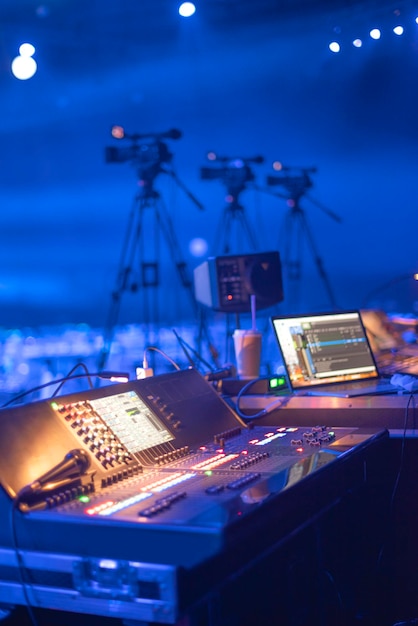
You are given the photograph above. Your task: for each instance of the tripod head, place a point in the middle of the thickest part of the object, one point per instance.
(147, 152)
(233, 172)
(295, 180)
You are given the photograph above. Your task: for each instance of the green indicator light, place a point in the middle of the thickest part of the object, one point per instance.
(277, 382)
(54, 405)
(208, 473)
(84, 499)
(278, 385)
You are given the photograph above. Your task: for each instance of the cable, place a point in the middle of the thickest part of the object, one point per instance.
(184, 348)
(82, 365)
(113, 376)
(187, 349)
(145, 371)
(277, 403)
(411, 400)
(20, 565)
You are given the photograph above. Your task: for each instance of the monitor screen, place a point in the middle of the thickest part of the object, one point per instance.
(326, 348)
(135, 425)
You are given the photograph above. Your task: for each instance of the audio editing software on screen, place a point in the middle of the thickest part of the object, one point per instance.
(324, 348)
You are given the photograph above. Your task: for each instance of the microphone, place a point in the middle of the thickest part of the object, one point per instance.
(74, 464)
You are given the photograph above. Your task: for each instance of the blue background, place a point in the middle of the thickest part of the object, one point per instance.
(239, 78)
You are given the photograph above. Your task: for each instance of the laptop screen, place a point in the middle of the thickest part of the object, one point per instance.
(324, 348)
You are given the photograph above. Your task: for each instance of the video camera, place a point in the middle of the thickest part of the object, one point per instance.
(147, 151)
(296, 184)
(233, 172)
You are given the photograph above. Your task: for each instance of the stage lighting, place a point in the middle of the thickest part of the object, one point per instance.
(334, 46)
(357, 43)
(375, 33)
(26, 50)
(198, 247)
(24, 66)
(187, 9)
(398, 30)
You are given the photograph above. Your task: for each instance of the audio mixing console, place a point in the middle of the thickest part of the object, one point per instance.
(129, 492)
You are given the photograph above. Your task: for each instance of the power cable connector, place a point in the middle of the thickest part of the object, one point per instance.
(144, 372)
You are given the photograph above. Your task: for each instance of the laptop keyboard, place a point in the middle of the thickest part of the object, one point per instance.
(361, 384)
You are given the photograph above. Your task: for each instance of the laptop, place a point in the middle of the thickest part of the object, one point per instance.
(328, 354)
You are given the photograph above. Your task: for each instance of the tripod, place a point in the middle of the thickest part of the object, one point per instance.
(296, 228)
(234, 214)
(235, 174)
(139, 266)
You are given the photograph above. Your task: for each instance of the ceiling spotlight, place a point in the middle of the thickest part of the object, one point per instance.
(24, 66)
(375, 33)
(187, 9)
(334, 46)
(357, 43)
(398, 30)
(26, 50)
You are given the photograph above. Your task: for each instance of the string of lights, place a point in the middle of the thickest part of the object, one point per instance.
(353, 31)
(384, 25)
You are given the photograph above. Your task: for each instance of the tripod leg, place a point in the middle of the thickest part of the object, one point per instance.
(318, 261)
(132, 236)
(167, 229)
(246, 227)
(234, 213)
(291, 257)
(166, 225)
(223, 232)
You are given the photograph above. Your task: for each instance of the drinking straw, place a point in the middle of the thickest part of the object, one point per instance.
(253, 322)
